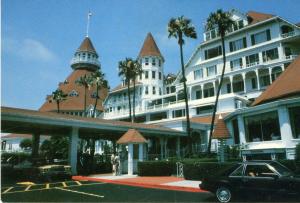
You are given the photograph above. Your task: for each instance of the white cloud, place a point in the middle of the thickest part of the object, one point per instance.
(28, 49)
(165, 42)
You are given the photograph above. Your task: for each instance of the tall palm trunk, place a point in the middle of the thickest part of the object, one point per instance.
(129, 102)
(188, 126)
(217, 97)
(133, 106)
(96, 101)
(57, 103)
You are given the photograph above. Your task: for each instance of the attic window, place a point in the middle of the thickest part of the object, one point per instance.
(94, 95)
(66, 82)
(73, 93)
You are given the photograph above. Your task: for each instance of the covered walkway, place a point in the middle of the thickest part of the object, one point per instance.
(23, 121)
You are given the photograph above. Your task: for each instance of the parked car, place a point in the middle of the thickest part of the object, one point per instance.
(253, 177)
(50, 172)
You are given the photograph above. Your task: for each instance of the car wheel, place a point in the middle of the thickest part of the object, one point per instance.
(223, 194)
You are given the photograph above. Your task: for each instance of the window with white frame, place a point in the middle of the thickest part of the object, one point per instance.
(146, 74)
(178, 113)
(159, 75)
(159, 62)
(153, 62)
(261, 37)
(252, 60)
(153, 74)
(236, 64)
(73, 93)
(213, 52)
(211, 70)
(198, 74)
(153, 90)
(146, 90)
(270, 54)
(146, 61)
(238, 44)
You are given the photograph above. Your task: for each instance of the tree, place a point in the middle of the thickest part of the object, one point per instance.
(222, 22)
(26, 144)
(59, 96)
(99, 81)
(126, 71)
(179, 28)
(137, 70)
(86, 82)
(56, 147)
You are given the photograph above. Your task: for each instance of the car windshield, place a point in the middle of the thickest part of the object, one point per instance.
(281, 169)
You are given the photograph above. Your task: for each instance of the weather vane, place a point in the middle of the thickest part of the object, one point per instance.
(88, 23)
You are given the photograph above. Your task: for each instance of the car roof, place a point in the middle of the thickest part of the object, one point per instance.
(258, 162)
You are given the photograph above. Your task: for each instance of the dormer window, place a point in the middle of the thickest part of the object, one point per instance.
(94, 95)
(73, 93)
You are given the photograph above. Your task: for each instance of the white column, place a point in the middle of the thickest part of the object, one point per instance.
(178, 147)
(258, 83)
(270, 75)
(141, 152)
(73, 141)
(285, 126)
(165, 147)
(130, 159)
(241, 129)
(231, 86)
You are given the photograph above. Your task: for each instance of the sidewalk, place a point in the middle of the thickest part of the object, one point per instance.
(161, 182)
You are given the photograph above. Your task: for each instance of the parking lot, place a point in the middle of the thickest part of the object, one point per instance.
(86, 191)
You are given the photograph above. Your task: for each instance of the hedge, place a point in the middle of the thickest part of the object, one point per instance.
(156, 168)
(199, 170)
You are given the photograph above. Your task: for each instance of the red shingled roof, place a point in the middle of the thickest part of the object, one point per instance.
(220, 131)
(75, 103)
(256, 17)
(286, 85)
(132, 136)
(87, 45)
(149, 47)
(205, 119)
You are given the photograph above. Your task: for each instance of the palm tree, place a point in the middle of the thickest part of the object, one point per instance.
(126, 71)
(222, 22)
(86, 82)
(59, 96)
(99, 81)
(178, 28)
(137, 70)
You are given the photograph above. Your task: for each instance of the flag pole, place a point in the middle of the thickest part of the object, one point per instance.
(88, 23)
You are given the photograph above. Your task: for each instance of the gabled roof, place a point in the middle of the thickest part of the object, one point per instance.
(87, 45)
(132, 136)
(286, 85)
(75, 103)
(220, 131)
(149, 47)
(255, 17)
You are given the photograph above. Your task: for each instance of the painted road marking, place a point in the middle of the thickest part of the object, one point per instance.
(6, 191)
(28, 187)
(84, 193)
(64, 184)
(79, 183)
(45, 188)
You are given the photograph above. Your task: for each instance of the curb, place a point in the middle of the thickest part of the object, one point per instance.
(144, 185)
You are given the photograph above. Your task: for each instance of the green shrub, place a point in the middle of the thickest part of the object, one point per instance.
(293, 165)
(156, 168)
(200, 170)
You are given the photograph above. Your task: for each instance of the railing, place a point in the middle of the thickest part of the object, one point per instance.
(289, 34)
(291, 57)
(80, 60)
(252, 64)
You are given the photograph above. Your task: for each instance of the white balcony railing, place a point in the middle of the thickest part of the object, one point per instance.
(252, 64)
(84, 60)
(289, 34)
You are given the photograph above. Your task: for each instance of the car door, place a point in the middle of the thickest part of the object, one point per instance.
(236, 177)
(259, 178)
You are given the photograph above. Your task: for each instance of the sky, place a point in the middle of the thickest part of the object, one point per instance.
(39, 37)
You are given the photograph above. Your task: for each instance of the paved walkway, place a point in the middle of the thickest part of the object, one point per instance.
(161, 182)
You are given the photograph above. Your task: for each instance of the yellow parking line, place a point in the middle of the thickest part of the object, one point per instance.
(84, 193)
(64, 184)
(28, 187)
(8, 190)
(47, 186)
(79, 183)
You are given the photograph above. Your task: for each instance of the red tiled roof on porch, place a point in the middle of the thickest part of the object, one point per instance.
(286, 85)
(220, 131)
(132, 136)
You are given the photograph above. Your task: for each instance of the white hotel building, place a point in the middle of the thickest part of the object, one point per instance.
(259, 48)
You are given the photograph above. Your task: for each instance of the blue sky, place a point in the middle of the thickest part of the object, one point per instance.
(39, 37)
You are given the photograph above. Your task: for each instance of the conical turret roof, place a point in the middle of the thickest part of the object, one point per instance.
(87, 45)
(149, 47)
